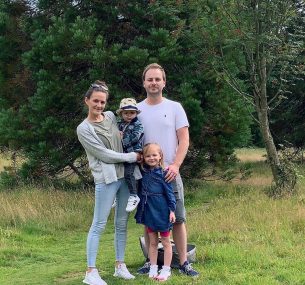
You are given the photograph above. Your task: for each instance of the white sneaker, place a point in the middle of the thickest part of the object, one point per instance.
(114, 203)
(164, 274)
(122, 272)
(93, 278)
(153, 271)
(133, 202)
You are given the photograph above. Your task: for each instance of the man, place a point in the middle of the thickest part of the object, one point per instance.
(165, 123)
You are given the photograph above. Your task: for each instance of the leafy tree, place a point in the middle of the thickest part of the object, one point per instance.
(251, 43)
(288, 123)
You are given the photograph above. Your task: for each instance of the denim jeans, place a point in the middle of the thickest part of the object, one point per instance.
(104, 197)
(129, 177)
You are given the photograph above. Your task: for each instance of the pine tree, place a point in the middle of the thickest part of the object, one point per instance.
(73, 43)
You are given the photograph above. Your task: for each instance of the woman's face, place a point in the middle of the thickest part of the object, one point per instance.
(96, 103)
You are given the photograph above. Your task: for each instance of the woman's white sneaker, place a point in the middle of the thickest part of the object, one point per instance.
(93, 278)
(122, 272)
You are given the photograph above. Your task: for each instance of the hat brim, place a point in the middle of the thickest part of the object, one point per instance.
(119, 111)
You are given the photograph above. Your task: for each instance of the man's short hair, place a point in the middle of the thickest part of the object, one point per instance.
(153, 66)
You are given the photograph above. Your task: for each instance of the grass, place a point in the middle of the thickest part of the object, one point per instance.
(251, 154)
(241, 235)
(4, 161)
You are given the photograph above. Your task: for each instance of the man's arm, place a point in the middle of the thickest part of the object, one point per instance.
(183, 145)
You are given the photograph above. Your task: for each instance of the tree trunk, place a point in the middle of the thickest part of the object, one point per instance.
(261, 103)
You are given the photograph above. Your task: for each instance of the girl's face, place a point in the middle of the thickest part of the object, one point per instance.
(152, 156)
(96, 103)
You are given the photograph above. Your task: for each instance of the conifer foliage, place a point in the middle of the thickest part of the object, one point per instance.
(60, 47)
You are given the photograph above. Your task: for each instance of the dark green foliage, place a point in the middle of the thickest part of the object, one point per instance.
(15, 81)
(74, 43)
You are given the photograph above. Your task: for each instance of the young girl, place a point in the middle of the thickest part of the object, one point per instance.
(156, 209)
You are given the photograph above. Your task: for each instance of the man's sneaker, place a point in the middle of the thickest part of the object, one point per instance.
(153, 271)
(145, 268)
(93, 278)
(187, 269)
(133, 202)
(114, 203)
(122, 272)
(164, 274)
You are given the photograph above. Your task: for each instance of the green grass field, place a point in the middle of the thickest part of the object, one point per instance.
(241, 235)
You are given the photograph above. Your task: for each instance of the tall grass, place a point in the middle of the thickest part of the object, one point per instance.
(251, 154)
(242, 236)
(4, 161)
(47, 208)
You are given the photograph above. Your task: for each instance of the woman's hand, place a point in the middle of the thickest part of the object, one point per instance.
(139, 157)
(172, 217)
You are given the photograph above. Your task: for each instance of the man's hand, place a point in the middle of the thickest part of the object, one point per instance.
(172, 172)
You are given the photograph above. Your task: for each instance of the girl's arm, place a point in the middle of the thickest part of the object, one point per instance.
(172, 217)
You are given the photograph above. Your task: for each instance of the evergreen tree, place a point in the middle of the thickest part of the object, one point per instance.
(74, 43)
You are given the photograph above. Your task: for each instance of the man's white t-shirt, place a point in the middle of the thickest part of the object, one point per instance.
(160, 124)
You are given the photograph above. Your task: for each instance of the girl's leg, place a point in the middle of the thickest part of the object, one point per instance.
(104, 195)
(153, 254)
(165, 272)
(120, 221)
(153, 247)
(168, 252)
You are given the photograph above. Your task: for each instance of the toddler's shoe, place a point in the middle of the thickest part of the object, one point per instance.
(133, 202)
(122, 272)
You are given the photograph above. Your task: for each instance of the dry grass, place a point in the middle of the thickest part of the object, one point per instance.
(51, 207)
(251, 154)
(4, 161)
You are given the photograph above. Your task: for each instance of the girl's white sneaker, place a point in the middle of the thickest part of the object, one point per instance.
(153, 271)
(164, 274)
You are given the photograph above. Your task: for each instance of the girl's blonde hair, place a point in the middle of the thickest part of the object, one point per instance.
(147, 147)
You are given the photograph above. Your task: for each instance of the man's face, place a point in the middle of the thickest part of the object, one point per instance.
(154, 82)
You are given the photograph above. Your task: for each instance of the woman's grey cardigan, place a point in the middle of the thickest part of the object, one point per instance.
(101, 160)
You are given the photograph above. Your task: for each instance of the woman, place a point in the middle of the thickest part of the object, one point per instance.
(101, 139)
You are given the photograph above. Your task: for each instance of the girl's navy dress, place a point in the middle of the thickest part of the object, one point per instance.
(157, 199)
